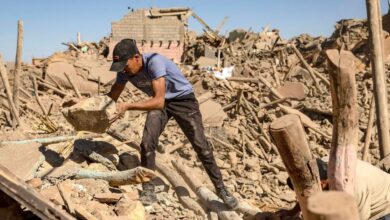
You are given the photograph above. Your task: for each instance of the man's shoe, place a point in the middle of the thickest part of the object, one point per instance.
(148, 195)
(229, 200)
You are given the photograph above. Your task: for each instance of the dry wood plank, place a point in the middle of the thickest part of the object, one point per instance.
(180, 188)
(342, 158)
(18, 64)
(76, 90)
(116, 178)
(4, 78)
(306, 121)
(290, 139)
(55, 90)
(28, 197)
(307, 66)
(208, 198)
(35, 86)
(367, 139)
(379, 76)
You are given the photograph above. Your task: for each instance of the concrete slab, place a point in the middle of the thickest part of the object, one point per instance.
(21, 159)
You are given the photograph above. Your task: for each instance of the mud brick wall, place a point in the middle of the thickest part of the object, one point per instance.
(163, 35)
(139, 26)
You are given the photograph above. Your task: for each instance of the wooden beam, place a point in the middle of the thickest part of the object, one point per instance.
(180, 188)
(4, 78)
(208, 198)
(28, 197)
(290, 139)
(370, 123)
(379, 76)
(76, 90)
(307, 66)
(342, 159)
(18, 65)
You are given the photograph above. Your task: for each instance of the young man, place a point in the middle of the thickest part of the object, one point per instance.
(372, 190)
(171, 96)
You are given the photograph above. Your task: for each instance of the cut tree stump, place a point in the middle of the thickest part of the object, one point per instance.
(342, 158)
(332, 205)
(290, 139)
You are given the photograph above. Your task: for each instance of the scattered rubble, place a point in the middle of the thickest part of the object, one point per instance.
(270, 77)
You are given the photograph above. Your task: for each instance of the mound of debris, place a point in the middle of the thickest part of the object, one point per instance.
(243, 82)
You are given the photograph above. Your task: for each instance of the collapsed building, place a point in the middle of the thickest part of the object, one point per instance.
(243, 83)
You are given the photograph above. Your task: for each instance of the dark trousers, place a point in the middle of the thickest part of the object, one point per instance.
(185, 110)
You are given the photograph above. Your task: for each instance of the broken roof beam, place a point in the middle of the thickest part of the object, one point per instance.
(156, 12)
(26, 196)
(205, 25)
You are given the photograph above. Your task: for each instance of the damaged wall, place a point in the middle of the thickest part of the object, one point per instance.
(155, 30)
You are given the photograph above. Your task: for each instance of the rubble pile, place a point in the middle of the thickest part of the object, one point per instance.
(243, 82)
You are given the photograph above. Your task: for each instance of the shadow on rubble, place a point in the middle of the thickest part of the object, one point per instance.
(81, 149)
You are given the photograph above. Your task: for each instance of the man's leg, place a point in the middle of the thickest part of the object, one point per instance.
(189, 118)
(154, 126)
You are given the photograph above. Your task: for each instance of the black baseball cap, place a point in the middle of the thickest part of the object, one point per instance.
(123, 50)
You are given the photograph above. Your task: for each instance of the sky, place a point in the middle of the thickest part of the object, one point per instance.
(49, 23)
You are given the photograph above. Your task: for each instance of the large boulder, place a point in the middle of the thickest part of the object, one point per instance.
(92, 114)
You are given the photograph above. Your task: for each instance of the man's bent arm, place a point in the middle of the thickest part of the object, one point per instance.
(156, 102)
(116, 91)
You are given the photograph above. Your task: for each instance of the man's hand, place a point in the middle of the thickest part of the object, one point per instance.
(121, 107)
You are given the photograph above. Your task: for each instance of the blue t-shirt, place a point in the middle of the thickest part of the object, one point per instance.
(156, 66)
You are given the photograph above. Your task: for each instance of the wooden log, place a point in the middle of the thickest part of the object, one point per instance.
(307, 66)
(55, 81)
(276, 75)
(208, 198)
(116, 178)
(367, 139)
(243, 79)
(180, 188)
(251, 111)
(95, 157)
(224, 144)
(342, 158)
(35, 85)
(18, 64)
(25, 93)
(274, 102)
(332, 205)
(76, 90)
(29, 198)
(290, 139)
(306, 121)
(55, 90)
(273, 90)
(4, 78)
(379, 75)
(50, 140)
